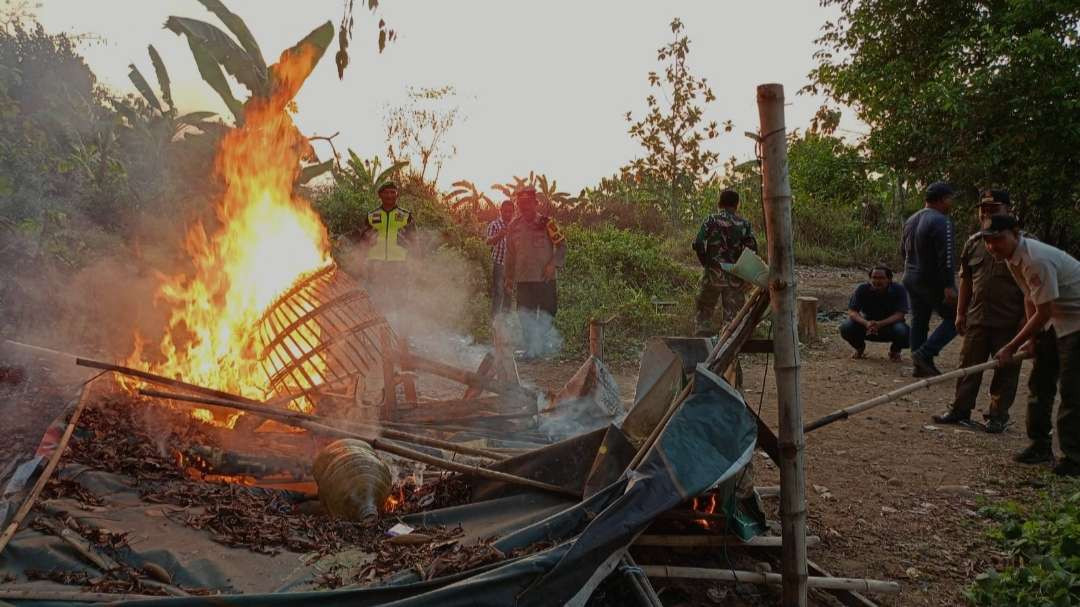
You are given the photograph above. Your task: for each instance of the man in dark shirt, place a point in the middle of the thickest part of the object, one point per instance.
(876, 313)
(929, 277)
(989, 312)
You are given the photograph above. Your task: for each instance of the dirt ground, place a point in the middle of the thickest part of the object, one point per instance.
(892, 495)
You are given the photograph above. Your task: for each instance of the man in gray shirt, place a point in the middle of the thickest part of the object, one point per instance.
(929, 277)
(1050, 279)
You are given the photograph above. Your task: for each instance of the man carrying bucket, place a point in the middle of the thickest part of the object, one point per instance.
(721, 239)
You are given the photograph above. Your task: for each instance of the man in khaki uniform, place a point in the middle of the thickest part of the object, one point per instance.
(535, 251)
(989, 312)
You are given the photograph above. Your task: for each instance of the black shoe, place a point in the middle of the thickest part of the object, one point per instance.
(1067, 467)
(1036, 453)
(996, 425)
(924, 367)
(952, 416)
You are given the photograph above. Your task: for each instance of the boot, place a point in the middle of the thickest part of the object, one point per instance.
(1036, 453)
(952, 416)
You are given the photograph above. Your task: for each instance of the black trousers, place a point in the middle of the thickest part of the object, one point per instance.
(1057, 368)
(895, 334)
(537, 296)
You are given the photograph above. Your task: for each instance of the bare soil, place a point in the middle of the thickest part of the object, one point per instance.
(892, 495)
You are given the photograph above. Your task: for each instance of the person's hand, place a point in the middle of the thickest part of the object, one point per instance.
(508, 285)
(961, 323)
(950, 296)
(1005, 355)
(549, 270)
(872, 327)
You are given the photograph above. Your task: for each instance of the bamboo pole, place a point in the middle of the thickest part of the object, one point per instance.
(771, 579)
(847, 412)
(47, 473)
(402, 451)
(700, 541)
(777, 203)
(639, 582)
(366, 432)
(419, 363)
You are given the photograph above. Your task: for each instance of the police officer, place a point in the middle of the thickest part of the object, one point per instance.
(721, 239)
(989, 311)
(536, 249)
(387, 233)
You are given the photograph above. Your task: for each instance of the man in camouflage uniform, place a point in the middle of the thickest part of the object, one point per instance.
(721, 239)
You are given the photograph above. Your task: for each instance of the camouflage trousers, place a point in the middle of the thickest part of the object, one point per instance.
(718, 286)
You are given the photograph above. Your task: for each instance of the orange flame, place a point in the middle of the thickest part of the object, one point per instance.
(266, 239)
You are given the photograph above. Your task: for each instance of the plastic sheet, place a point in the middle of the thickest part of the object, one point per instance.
(353, 481)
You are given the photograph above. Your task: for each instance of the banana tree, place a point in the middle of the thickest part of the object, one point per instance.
(466, 197)
(365, 175)
(217, 53)
(167, 112)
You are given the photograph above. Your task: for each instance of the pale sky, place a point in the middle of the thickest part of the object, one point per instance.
(542, 86)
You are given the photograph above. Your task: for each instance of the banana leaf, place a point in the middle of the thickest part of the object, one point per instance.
(212, 74)
(222, 49)
(195, 118)
(239, 29)
(286, 88)
(144, 87)
(312, 171)
(162, 76)
(389, 172)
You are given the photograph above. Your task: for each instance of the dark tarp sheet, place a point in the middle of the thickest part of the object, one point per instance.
(707, 442)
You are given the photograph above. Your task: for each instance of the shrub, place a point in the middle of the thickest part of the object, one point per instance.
(1043, 541)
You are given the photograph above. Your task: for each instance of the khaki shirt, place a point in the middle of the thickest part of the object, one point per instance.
(530, 248)
(996, 300)
(1049, 275)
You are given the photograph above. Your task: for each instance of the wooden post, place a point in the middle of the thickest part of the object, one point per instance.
(777, 203)
(408, 380)
(596, 338)
(807, 319)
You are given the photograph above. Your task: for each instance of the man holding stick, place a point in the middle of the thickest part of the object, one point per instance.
(1050, 279)
(989, 311)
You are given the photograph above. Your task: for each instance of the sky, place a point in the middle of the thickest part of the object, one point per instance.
(541, 86)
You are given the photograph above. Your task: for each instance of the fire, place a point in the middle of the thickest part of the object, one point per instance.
(394, 500)
(266, 238)
(708, 508)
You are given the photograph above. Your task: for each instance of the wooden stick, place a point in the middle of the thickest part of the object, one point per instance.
(365, 431)
(639, 582)
(46, 474)
(771, 579)
(908, 389)
(101, 561)
(387, 349)
(420, 363)
(776, 199)
(15, 593)
(697, 541)
(380, 444)
(486, 369)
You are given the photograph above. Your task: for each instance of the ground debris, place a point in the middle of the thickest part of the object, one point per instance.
(58, 488)
(442, 492)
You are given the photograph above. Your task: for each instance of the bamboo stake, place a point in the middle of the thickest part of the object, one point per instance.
(777, 203)
(420, 363)
(640, 583)
(403, 451)
(771, 579)
(847, 412)
(47, 473)
(366, 431)
(698, 541)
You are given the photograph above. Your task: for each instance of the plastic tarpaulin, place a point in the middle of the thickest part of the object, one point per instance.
(707, 442)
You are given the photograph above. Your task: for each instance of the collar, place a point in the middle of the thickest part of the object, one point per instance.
(1020, 253)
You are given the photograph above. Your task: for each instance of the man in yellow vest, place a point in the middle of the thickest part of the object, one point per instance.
(387, 234)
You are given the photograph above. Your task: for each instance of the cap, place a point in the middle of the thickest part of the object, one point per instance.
(997, 224)
(938, 190)
(994, 197)
(387, 186)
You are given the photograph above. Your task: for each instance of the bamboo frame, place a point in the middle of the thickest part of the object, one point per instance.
(770, 579)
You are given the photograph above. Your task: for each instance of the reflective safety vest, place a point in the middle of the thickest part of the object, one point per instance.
(387, 227)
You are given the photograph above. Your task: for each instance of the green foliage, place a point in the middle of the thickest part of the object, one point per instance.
(672, 133)
(1043, 541)
(989, 97)
(610, 271)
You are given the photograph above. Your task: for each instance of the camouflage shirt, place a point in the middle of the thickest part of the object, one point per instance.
(722, 238)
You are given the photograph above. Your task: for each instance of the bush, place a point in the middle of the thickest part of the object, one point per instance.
(613, 271)
(1044, 543)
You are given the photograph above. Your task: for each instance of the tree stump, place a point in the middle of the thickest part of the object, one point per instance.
(807, 319)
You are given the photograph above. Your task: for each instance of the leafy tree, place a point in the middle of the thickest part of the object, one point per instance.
(984, 94)
(467, 198)
(547, 192)
(417, 130)
(672, 132)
